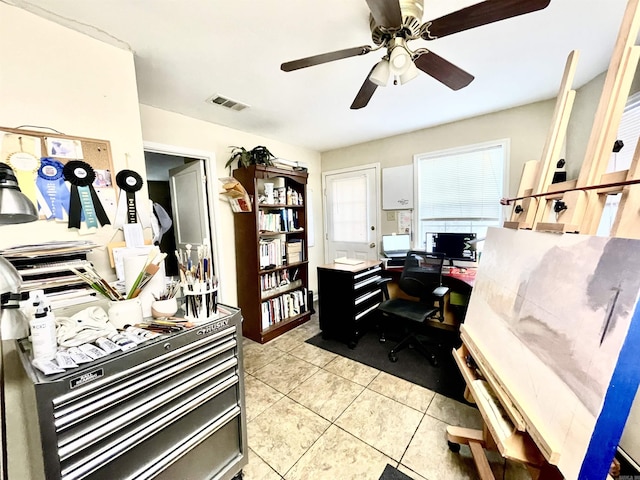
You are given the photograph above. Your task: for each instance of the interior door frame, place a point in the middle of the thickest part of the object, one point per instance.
(376, 167)
(209, 159)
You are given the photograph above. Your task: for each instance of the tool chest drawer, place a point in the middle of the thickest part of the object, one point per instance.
(174, 404)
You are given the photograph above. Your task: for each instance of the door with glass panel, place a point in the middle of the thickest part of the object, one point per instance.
(351, 209)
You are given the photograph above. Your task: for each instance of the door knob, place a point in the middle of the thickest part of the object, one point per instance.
(372, 245)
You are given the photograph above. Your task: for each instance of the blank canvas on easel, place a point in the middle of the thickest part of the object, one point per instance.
(554, 317)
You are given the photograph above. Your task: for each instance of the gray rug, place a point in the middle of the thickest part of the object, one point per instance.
(392, 473)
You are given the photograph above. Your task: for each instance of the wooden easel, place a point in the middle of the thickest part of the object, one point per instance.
(505, 429)
(581, 201)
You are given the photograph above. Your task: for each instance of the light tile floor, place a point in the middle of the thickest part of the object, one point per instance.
(314, 415)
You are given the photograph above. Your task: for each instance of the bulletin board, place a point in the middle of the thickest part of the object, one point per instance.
(96, 153)
(36, 145)
(397, 188)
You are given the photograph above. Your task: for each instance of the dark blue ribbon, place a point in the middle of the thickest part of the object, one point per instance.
(50, 182)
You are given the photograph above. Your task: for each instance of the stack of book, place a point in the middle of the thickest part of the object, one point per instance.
(294, 251)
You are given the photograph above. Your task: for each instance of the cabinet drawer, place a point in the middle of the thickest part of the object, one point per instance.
(369, 281)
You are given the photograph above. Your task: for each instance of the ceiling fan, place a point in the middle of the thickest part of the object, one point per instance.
(396, 22)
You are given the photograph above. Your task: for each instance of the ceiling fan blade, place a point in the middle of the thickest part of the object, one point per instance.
(479, 14)
(365, 93)
(442, 70)
(324, 58)
(386, 13)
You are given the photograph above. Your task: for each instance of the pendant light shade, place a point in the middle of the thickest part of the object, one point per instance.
(380, 74)
(399, 59)
(15, 207)
(410, 74)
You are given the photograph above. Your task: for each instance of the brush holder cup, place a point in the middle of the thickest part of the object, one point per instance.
(200, 302)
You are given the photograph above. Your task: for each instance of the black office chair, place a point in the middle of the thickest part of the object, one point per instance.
(422, 278)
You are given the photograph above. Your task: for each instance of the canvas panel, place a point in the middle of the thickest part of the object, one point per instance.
(550, 313)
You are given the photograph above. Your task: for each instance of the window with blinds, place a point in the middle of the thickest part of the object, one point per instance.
(459, 190)
(628, 132)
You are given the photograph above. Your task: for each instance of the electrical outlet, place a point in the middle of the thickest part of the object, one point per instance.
(391, 216)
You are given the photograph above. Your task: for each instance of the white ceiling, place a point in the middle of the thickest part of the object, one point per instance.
(186, 51)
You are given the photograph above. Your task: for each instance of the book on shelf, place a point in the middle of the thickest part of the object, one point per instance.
(294, 250)
(283, 307)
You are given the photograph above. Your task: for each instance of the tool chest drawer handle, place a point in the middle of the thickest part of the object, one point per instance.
(137, 383)
(122, 417)
(119, 445)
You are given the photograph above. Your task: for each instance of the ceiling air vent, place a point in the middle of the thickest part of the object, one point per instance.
(227, 103)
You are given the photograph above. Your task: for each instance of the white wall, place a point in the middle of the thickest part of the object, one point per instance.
(54, 77)
(174, 129)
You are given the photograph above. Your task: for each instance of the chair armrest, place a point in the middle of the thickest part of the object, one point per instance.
(382, 284)
(440, 291)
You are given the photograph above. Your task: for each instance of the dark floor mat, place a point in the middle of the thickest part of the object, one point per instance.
(444, 379)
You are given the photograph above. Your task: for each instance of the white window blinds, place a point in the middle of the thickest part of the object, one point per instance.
(460, 189)
(628, 132)
(462, 185)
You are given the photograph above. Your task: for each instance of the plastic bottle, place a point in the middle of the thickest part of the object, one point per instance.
(43, 332)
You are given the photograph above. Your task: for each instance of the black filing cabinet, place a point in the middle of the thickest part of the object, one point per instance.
(347, 296)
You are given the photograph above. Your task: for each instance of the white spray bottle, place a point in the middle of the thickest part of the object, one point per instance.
(43, 330)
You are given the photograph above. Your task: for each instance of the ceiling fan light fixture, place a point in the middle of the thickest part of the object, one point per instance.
(380, 73)
(410, 74)
(399, 59)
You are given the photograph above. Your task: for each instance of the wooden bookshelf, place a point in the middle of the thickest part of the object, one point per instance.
(261, 252)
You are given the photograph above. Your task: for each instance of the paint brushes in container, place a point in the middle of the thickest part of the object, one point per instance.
(96, 282)
(150, 268)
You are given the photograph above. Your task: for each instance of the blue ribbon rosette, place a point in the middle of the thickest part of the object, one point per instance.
(53, 198)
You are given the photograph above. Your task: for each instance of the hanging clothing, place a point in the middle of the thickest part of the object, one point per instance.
(160, 222)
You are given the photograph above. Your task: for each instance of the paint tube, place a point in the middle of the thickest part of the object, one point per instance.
(65, 360)
(123, 342)
(142, 333)
(93, 351)
(107, 345)
(79, 356)
(46, 366)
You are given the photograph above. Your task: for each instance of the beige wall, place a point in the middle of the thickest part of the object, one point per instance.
(51, 76)
(55, 77)
(177, 130)
(525, 126)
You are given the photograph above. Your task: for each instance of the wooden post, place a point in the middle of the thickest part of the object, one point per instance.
(614, 93)
(538, 179)
(626, 223)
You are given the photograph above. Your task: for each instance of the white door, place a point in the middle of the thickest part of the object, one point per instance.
(352, 209)
(189, 203)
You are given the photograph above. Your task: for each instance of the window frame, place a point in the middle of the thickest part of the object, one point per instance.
(504, 143)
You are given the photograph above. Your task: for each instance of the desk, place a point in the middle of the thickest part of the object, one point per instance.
(460, 283)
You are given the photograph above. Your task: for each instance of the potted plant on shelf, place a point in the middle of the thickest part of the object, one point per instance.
(256, 156)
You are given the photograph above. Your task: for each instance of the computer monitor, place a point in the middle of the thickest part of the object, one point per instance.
(396, 245)
(454, 246)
